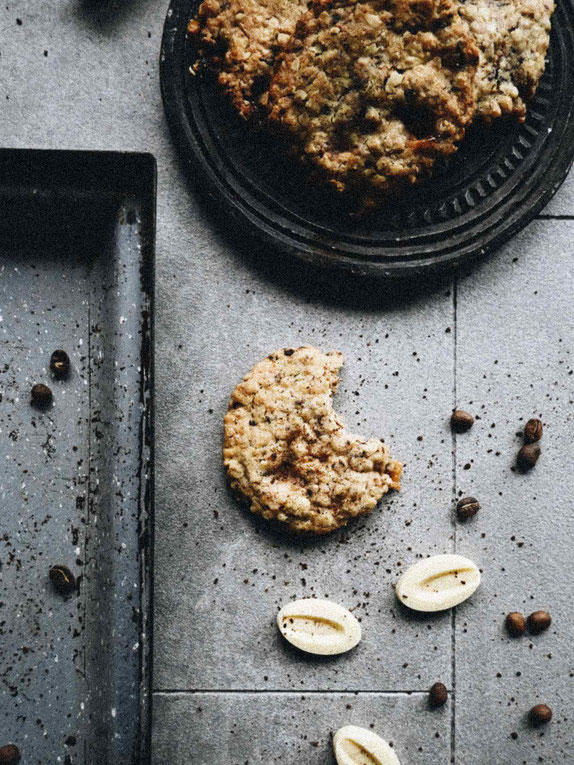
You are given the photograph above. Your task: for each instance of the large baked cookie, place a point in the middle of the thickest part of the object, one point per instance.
(240, 39)
(288, 453)
(513, 37)
(372, 92)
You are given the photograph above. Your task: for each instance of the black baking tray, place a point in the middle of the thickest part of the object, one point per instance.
(501, 177)
(77, 234)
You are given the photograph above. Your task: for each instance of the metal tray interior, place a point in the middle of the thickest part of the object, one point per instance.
(76, 272)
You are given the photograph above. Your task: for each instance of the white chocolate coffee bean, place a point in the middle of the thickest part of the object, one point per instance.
(359, 746)
(438, 583)
(319, 626)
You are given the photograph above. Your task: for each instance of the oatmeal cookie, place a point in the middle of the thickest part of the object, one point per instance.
(372, 92)
(513, 37)
(288, 453)
(240, 39)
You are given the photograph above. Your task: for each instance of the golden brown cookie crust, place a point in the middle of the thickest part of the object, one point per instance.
(372, 92)
(240, 40)
(287, 452)
(513, 37)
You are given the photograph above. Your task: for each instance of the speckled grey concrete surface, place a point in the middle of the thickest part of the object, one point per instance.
(218, 311)
(292, 729)
(236, 559)
(521, 302)
(562, 204)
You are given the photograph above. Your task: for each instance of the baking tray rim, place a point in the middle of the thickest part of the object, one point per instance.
(123, 174)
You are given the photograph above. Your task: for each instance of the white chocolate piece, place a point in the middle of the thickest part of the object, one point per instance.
(319, 626)
(359, 746)
(438, 583)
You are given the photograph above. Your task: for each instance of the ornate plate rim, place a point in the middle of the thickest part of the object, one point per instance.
(452, 246)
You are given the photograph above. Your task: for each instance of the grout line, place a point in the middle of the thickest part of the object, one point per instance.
(283, 692)
(454, 529)
(555, 217)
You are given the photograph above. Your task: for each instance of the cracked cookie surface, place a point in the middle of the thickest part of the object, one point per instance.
(288, 453)
(372, 93)
(513, 37)
(240, 40)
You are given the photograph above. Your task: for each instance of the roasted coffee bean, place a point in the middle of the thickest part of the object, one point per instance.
(540, 714)
(9, 755)
(62, 579)
(461, 421)
(467, 507)
(515, 624)
(60, 364)
(533, 431)
(438, 695)
(538, 622)
(528, 456)
(41, 396)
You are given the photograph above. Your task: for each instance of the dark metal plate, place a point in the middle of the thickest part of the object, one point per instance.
(76, 272)
(497, 182)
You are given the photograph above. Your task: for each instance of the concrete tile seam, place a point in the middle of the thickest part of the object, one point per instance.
(454, 540)
(258, 692)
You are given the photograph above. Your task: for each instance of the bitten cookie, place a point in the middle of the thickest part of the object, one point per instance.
(288, 453)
